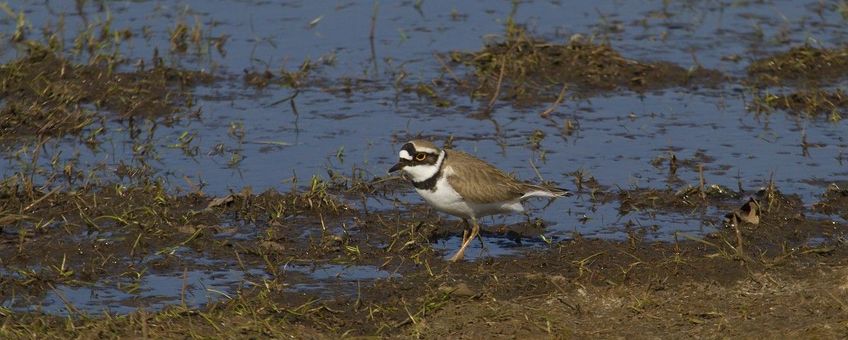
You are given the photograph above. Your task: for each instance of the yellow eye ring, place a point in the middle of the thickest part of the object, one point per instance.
(420, 157)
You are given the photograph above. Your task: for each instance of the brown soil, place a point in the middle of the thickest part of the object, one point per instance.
(667, 295)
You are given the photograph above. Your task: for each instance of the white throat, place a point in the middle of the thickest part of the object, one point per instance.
(423, 172)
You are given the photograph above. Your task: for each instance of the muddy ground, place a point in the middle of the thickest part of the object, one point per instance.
(62, 225)
(785, 276)
(583, 288)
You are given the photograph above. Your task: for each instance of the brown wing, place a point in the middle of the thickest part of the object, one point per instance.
(481, 182)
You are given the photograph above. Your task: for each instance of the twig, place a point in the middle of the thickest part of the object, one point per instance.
(549, 110)
(497, 89)
(447, 68)
(35, 155)
(34, 203)
(371, 34)
(538, 174)
(292, 97)
(71, 308)
(385, 179)
(184, 287)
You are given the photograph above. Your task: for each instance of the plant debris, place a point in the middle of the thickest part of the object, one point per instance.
(529, 69)
(46, 94)
(802, 64)
(813, 102)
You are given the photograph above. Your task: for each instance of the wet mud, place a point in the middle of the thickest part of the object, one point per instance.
(399, 283)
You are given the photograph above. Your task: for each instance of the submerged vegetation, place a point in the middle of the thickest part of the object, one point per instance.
(810, 71)
(812, 102)
(800, 65)
(60, 85)
(46, 94)
(523, 68)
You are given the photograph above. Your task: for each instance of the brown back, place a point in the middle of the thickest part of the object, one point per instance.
(481, 182)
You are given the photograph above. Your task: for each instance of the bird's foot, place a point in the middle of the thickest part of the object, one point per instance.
(459, 255)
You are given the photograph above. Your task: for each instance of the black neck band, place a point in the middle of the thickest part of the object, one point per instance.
(430, 183)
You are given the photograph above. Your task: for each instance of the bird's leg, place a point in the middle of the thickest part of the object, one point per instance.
(482, 244)
(461, 251)
(464, 236)
(480, 237)
(475, 230)
(464, 230)
(459, 254)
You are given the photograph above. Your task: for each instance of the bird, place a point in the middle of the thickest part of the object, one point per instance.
(748, 213)
(459, 184)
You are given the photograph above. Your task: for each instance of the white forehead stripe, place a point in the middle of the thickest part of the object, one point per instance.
(426, 150)
(405, 155)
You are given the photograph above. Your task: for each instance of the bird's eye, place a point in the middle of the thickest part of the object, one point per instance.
(420, 156)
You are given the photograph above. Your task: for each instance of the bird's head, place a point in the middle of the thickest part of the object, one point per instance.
(420, 159)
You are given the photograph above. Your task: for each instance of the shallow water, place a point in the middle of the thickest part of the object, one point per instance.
(155, 292)
(617, 135)
(190, 288)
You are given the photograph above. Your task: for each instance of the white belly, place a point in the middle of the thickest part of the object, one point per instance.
(448, 201)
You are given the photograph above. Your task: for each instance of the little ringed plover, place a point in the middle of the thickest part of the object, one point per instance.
(462, 185)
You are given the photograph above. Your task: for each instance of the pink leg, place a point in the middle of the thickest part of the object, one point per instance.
(475, 230)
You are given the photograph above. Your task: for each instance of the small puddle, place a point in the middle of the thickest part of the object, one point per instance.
(194, 288)
(339, 272)
(494, 246)
(333, 279)
(590, 221)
